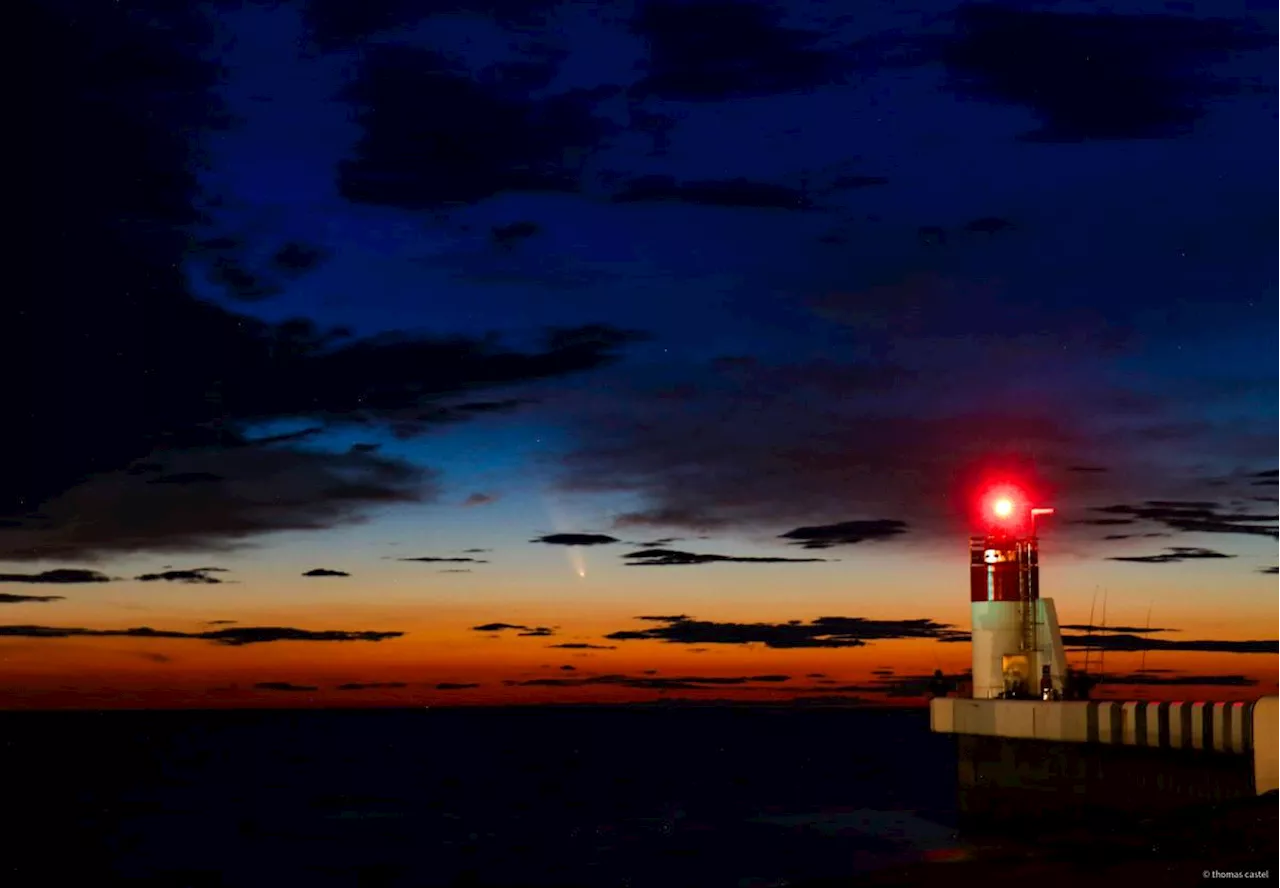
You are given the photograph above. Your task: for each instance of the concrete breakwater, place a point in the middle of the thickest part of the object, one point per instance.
(1023, 761)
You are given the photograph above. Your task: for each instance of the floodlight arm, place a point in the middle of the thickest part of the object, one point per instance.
(1034, 513)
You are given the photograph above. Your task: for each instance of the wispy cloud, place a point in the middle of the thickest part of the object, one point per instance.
(824, 632)
(231, 637)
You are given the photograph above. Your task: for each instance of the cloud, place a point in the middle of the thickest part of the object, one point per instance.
(196, 392)
(432, 136)
(823, 632)
(568, 668)
(186, 478)
(443, 414)
(238, 282)
(479, 499)
(295, 257)
(1094, 75)
(1145, 678)
(455, 570)
(434, 560)
(194, 575)
(9, 598)
(155, 656)
(746, 457)
(282, 686)
(325, 572)
(371, 685)
(675, 683)
(1172, 555)
(886, 684)
(237, 637)
(667, 557)
(522, 631)
(508, 235)
(338, 24)
(1269, 570)
(737, 193)
(455, 686)
(575, 539)
(712, 50)
(220, 622)
(239, 270)
(1088, 469)
(1085, 627)
(583, 646)
(844, 533)
(58, 575)
(1122, 642)
(275, 488)
(1195, 516)
(332, 24)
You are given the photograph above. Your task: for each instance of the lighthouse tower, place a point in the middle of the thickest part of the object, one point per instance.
(1015, 631)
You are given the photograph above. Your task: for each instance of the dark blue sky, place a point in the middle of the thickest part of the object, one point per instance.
(834, 261)
(1038, 212)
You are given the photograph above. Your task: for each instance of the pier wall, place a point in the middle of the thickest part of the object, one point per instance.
(1005, 781)
(1027, 761)
(1266, 744)
(1216, 726)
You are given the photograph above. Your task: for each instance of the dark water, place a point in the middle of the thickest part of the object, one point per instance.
(521, 797)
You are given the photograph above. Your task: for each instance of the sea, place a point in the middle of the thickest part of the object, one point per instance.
(596, 797)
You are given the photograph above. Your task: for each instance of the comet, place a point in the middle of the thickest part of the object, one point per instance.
(561, 522)
(578, 560)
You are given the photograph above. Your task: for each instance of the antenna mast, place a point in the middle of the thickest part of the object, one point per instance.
(1088, 639)
(1102, 653)
(1145, 638)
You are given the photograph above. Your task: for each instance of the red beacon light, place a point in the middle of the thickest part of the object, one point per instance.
(1009, 510)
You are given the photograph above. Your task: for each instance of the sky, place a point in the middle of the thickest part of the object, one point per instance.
(506, 352)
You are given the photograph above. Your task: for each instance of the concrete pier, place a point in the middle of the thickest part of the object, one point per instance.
(1027, 759)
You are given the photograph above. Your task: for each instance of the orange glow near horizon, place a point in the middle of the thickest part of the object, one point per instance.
(480, 669)
(438, 612)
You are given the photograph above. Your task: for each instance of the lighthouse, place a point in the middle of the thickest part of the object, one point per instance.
(1017, 646)
(1025, 749)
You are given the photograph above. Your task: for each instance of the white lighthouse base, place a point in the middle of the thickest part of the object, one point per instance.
(998, 652)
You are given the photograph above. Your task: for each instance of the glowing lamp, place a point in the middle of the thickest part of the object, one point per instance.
(1003, 508)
